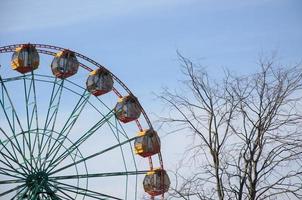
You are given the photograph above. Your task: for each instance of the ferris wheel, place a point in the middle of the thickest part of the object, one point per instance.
(70, 129)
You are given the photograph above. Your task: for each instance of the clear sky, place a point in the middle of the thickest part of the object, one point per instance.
(138, 39)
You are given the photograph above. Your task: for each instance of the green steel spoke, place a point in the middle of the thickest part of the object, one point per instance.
(75, 155)
(62, 191)
(25, 168)
(92, 194)
(80, 141)
(77, 192)
(12, 190)
(31, 114)
(133, 156)
(93, 155)
(42, 196)
(77, 176)
(50, 192)
(96, 109)
(15, 155)
(30, 196)
(84, 191)
(18, 193)
(13, 78)
(91, 104)
(11, 157)
(127, 137)
(14, 117)
(117, 136)
(8, 164)
(107, 107)
(118, 132)
(54, 150)
(37, 188)
(12, 145)
(52, 112)
(34, 193)
(54, 102)
(12, 181)
(4, 171)
(123, 132)
(59, 197)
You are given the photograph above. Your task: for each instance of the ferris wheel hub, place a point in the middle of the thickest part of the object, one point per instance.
(39, 179)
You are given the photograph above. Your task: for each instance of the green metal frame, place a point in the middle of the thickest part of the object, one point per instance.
(33, 151)
(35, 177)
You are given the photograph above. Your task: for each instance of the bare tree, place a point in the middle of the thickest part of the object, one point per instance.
(246, 133)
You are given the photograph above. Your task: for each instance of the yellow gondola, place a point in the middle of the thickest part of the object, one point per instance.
(64, 64)
(99, 82)
(156, 182)
(147, 144)
(25, 59)
(127, 109)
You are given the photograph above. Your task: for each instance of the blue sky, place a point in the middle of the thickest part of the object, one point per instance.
(142, 36)
(138, 39)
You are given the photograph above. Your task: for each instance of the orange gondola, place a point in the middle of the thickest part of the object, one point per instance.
(127, 109)
(156, 182)
(99, 82)
(64, 64)
(25, 59)
(147, 144)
